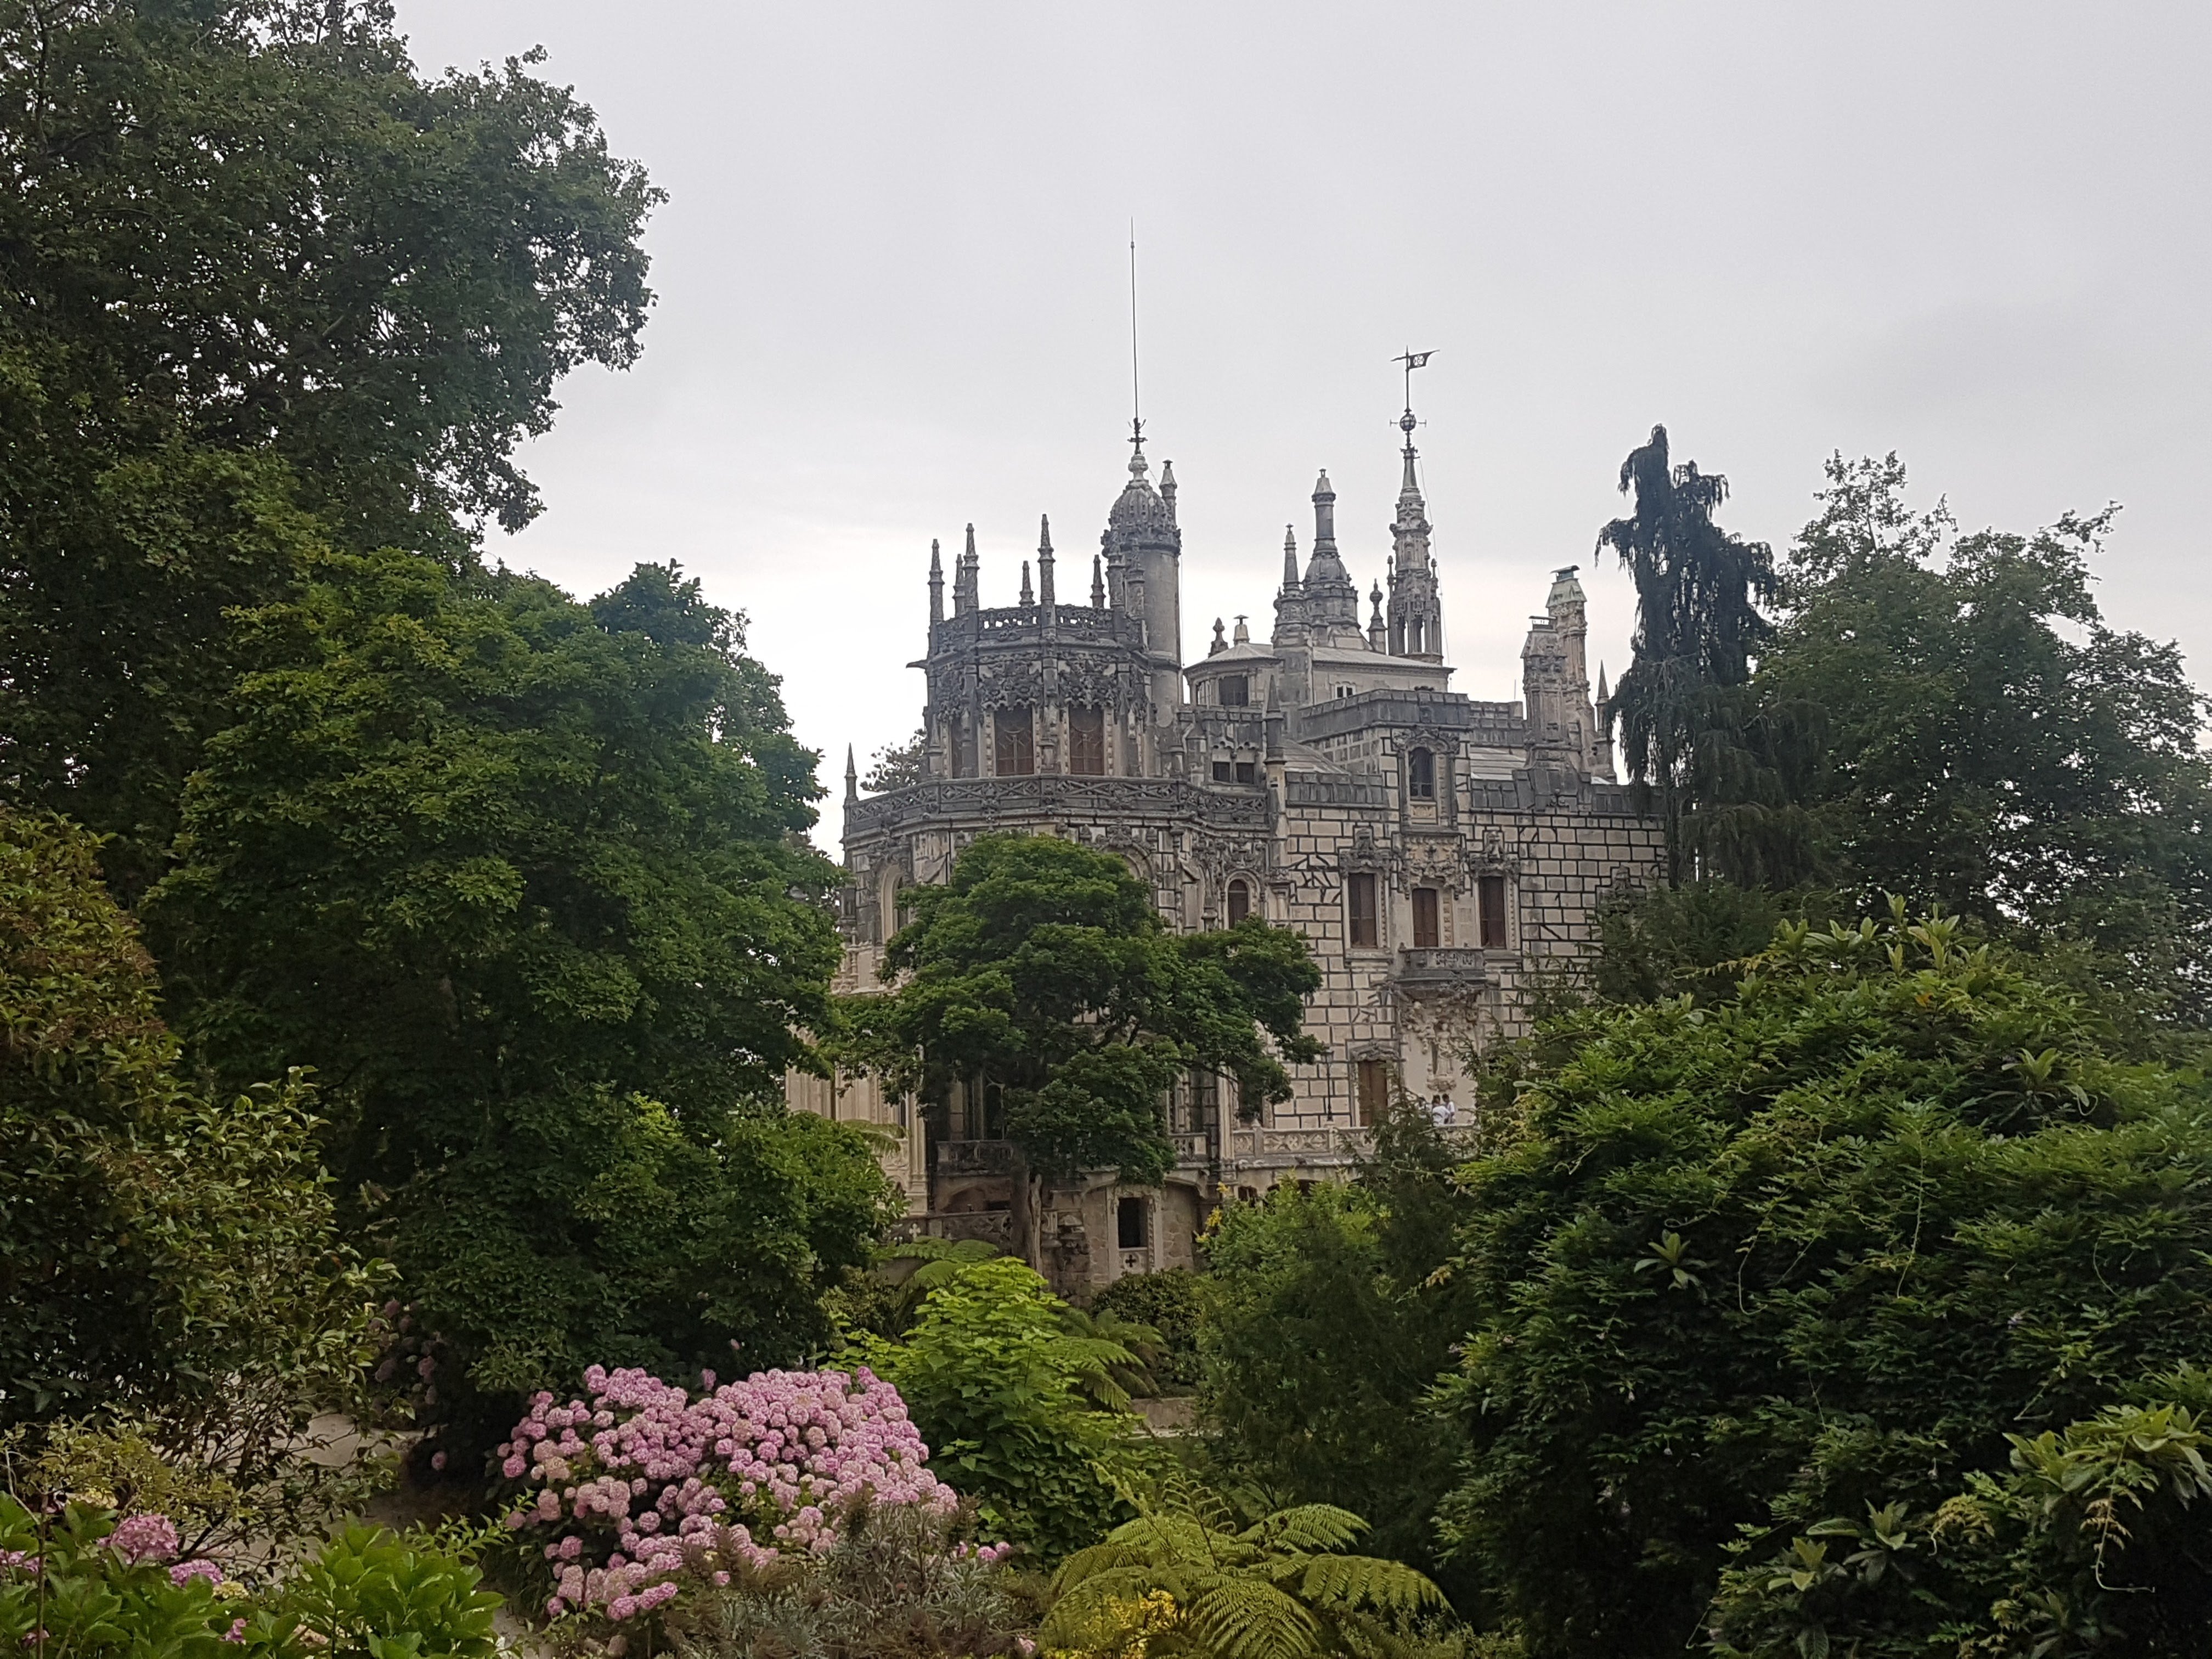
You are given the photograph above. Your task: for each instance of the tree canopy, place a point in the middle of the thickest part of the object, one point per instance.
(1043, 970)
(1810, 1250)
(521, 878)
(265, 287)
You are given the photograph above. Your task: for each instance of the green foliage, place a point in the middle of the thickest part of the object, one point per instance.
(1280, 1587)
(265, 286)
(374, 1594)
(67, 1589)
(1697, 626)
(897, 765)
(169, 1267)
(1324, 1329)
(1042, 968)
(2091, 1544)
(996, 1383)
(896, 1584)
(1807, 1253)
(1167, 1302)
(1993, 747)
(1691, 940)
(519, 877)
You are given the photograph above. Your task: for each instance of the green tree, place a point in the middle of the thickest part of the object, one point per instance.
(998, 1383)
(897, 765)
(261, 285)
(1187, 1574)
(1043, 972)
(521, 878)
(170, 1277)
(1994, 747)
(1805, 1253)
(1326, 1326)
(1698, 627)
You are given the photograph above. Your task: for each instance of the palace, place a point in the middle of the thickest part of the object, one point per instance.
(1438, 852)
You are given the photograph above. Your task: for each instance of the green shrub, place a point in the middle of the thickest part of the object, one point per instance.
(995, 1383)
(83, 1584)
(1167, 1301)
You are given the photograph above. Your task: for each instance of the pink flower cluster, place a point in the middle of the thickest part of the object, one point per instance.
(666, 1484)
(145, 1538)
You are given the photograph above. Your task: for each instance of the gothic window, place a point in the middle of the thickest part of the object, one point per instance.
(1129, 1223)
(1086, 741)
(1490, 898)
(1426, 934)
(1221, 771)
(1374, 1090)
(1359, 892)
(1414, 637)
(1014, 751)
(1236, 691)
(1240, 902)
(1247, 772)
(1421, 774)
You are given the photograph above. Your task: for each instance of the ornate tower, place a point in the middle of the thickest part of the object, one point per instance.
(1143, 574)
(1417, 610)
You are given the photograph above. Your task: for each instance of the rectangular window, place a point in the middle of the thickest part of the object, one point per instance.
(1014, 753)
(1490, 894)
(1240, 902)
(1221, 771)
(1374, 1090)
(1236, 691)
(963, 749)
(1421, 774)
(1086, 741)
(1359, 890)
(1129, 1223)
(1427, 934)
(1246, 772)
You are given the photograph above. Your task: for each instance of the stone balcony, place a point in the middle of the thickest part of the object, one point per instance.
(994, 1227)
(1443, 967)
(971, 1157)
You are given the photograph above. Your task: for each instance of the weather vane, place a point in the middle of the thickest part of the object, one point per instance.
(1413, 360)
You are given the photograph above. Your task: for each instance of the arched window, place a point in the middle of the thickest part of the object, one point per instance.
(1414, 637)
(1240, 902)
(1421, 774)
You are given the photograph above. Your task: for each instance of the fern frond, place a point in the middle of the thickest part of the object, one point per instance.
(1305, 1527)
(1355, 1581)
(1249, 1619)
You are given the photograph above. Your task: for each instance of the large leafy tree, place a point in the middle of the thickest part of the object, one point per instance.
(520, 878)
(1993, 745)
(261, 285)
(1698, 630)
(1809, 1251)
(1044, 970)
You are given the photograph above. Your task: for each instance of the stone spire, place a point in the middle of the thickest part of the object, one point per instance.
(1378, 632)
(1332, 600)
(964, 578)
(1029, 598)
(1602, 756)
(1220, 639)
(1097, 584)
(936, 584)
(1168, 488)
(1290, 598)
(1417, 612)
(851, 777)
(1044, 560)
(1289, 560)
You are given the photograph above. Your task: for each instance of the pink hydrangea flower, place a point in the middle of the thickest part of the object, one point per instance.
(145, 1538)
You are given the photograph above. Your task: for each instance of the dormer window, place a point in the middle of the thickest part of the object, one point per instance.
(1421, 774)
(1236, 691)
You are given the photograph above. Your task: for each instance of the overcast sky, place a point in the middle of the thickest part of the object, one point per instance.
(892, 274)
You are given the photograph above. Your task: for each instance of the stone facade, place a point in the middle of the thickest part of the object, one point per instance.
(1438, 852)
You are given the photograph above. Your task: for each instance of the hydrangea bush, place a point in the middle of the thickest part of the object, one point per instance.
(646, 1488)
